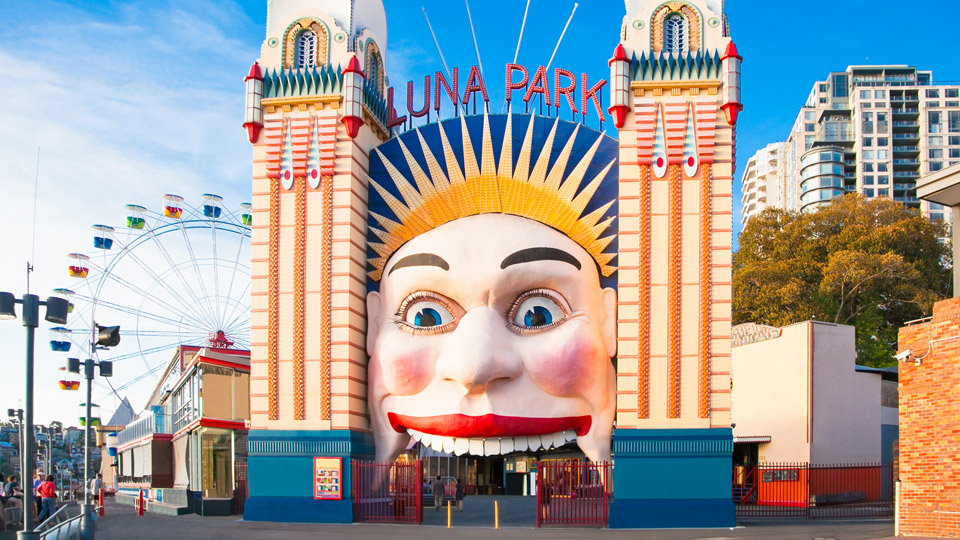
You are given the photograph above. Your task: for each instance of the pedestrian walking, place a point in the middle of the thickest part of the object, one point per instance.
(48, 496)
(459, 495)
(36, 490)
(438, 489)
(96, 485)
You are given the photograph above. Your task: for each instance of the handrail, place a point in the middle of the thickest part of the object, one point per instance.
(68, 530)
(58, 517)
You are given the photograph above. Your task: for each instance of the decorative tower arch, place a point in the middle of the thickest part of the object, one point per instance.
(675, 214)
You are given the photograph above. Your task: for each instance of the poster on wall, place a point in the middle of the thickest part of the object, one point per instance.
(327, 478)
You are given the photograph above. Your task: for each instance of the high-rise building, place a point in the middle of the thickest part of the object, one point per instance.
(763, 177)
(873, 130)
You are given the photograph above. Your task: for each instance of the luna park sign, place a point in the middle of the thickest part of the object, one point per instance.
(562, 90)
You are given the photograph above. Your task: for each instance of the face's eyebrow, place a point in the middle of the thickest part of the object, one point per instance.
(539, 254)
(420, 259)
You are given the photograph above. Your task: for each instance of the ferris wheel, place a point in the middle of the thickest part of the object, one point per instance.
(175, 276)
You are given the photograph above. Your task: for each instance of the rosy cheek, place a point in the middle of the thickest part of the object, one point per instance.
(406, 361)
(568, 366)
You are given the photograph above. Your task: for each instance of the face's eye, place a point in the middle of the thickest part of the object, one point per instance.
(426, 314)
(537, 310)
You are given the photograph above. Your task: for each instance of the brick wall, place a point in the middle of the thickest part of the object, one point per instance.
(929, 452)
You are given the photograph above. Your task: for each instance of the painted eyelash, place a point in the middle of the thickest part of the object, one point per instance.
(546, 293)
(414, 298)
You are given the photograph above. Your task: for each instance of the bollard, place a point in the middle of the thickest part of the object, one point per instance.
(449, 516)
(496, 514)
(140, 504)
(100, 501)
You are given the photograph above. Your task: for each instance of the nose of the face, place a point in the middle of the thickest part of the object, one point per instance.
(478, 353)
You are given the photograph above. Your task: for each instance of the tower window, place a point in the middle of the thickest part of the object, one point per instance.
(675, 34)
(305, 50)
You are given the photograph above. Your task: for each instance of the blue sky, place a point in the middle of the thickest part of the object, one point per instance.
(130, 100)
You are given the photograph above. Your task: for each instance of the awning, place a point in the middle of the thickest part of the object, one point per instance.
(751, 439)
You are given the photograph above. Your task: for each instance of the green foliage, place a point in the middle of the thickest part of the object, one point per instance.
(873, 264)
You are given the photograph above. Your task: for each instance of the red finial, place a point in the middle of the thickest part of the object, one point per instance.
(731, 52)
(254, 73)
(354, 67)
(619, 54)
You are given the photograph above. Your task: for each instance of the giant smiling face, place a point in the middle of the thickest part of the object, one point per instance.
(491, 334)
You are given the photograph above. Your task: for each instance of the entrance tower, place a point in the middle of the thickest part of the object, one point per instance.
(675, 99)
(314, 110)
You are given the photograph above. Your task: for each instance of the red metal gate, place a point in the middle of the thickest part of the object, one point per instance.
(241, 487)
(571, 492)
(387, 492)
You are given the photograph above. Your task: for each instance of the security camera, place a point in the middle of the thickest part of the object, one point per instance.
(903, 355)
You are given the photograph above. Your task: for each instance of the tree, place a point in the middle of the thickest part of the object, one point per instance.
(874, 264)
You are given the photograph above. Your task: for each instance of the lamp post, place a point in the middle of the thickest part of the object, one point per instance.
(56, 313)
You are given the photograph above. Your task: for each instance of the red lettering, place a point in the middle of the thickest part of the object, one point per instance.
(511, 86)
(426, 98)
(474, 84)
(452, 94)
(567, 91)
(392, 120)
(587, 95)
(539, 85)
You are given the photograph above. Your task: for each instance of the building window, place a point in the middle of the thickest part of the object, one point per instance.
(935, 206)
(935, 165)
(868, 154)
(840, 86)
(936, 217)
(864, 94)
(868, 180)
(933, 93)
(936, 153)
(883, 192)
(952, 93)
(955, 152)
(934, 118)
(883, 141)
(935, 141)
(954, 140)
(882, 154)
(883, 180)
(880, 94)
(809, 127)
(675, 33)
(952, 104)
(867, 141)
(881, 167)
(809, 115)
(932, 104)
(305, 50)
(868, 192)
(953, 121)
(868, 167)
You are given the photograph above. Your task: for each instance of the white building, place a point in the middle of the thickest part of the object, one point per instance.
(762, 180)
(873, 130)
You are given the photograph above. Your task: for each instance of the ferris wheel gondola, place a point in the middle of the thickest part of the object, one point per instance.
(178, 275)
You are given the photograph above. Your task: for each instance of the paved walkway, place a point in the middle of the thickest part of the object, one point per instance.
(122, 523)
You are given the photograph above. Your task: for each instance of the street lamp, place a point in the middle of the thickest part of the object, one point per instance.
(56, 313)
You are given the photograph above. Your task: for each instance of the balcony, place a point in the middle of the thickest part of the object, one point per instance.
(906, 174)
(906, 149)
(906, 112)
(906, 136)
(903, 187)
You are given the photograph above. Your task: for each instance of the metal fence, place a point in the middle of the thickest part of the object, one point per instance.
(241, 488)
(813, 491)
(387, 492)
(571, 492)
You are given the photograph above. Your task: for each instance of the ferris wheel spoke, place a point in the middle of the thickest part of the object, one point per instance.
(132, 311)
(240, 304)
(146, 295)
(216, 276)
(158, 279)
(196, 267)
(233, 276)
(173, 266)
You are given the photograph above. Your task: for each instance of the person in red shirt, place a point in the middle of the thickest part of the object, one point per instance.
(48, 496)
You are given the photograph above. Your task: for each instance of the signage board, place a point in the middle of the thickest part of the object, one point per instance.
(327, 478)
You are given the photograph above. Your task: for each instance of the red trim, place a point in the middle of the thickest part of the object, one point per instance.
(254, 73)
(731, 52)
(253, 131)
(240, 367)
(145, 439)
(353, 125)
(619, 54)
(211, 422)
(354, 67)
(619, 113)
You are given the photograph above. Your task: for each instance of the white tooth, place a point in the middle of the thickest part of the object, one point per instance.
(570, 435)
(427, 439)
(437, 444)
(447, 445)
(534, 442)
(491, 447)
(476, 447)
(415, 434)
(506, 445)
(520, 444)
(461, 446)
(559, 440)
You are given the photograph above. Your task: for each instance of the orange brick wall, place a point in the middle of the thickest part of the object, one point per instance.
(929, 452)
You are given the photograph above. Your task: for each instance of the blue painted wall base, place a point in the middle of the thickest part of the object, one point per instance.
(672, 478)
(280, 474)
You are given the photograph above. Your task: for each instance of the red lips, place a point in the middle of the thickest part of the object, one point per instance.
(488, 425)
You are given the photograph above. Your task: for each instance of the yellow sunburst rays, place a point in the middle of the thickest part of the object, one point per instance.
(542, 194)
